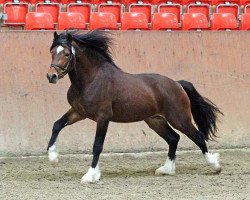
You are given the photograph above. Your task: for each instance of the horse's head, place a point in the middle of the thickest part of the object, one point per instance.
(63, 57)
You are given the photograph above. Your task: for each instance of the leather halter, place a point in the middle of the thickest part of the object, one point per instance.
(64, 68)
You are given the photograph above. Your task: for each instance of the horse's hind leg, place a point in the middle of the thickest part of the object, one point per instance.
(184, 124)
(198, 138)
(68, 118)
(161, 127)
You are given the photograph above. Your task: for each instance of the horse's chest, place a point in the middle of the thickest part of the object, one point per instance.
(87, 107)
(88, 101)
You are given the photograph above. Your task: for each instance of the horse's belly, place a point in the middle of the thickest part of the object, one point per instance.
(129, 113)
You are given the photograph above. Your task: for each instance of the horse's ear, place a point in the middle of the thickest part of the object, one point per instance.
(55, 34)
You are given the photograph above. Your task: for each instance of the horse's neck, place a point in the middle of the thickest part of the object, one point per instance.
(82, 74)
(74, 79)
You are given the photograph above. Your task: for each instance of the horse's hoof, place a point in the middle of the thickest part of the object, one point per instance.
(214, 161)
(164, 171)
(93, 175)
(53, 157)
(167, 169)
(218, 170)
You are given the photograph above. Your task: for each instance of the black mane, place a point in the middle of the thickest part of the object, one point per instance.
(99, 41)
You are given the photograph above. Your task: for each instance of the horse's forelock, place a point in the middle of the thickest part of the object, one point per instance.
(61, 40)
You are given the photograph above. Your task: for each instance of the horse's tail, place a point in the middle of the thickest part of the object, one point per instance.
(205, 112)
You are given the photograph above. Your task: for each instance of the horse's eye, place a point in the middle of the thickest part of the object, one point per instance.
(67, 54)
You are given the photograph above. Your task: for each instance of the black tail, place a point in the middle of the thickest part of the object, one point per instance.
(205, 112)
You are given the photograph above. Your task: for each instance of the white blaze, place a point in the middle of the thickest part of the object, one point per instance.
(59, 49)
(73, 50)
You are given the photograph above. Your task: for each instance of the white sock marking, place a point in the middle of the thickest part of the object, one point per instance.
(53, 155)
(167, 168)
(59, 49)
(213, 160)
(93, 175)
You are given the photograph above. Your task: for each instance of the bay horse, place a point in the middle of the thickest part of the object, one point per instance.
(102, 92)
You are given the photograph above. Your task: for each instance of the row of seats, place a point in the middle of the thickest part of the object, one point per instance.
(140, 15)
(127, 2)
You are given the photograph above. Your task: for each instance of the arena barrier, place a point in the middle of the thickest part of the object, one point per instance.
(217, 63)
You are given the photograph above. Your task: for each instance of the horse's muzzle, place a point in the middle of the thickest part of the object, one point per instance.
(53, 78)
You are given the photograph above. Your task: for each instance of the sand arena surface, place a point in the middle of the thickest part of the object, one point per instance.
(127, 176)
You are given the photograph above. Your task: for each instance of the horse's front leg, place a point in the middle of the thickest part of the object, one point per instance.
(68, 118)
(94, 173)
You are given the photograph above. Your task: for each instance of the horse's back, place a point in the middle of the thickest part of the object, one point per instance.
(161, 85)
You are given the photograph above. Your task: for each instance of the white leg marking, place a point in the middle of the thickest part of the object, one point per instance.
(59, 49)
(53, 155)
(93, 175)
(213, 160)
(167, 168)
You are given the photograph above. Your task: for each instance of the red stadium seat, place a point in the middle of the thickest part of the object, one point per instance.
(101, 20)
(226, 17)
(194, 21)
(144, 7)
(223, 21)
(245, 21)
(83, 8)
(188, 2)
(247, 8)
(110, 2)
(40, 1)
(199, 8)
(228, 8)
(16, 13)
(168, 16)
(175, 9)
(158, 2)
(115, 7)
(164, 21)
(52, 8)
(217, 2)
(38, 21)
(69, 20)
(197, 17)
(244, 2)
(245, 18)
(134, 21)
(64, 1)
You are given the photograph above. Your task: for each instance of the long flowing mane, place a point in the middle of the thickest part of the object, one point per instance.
(99, 42)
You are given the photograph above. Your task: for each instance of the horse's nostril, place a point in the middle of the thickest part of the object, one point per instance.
(52, 78)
